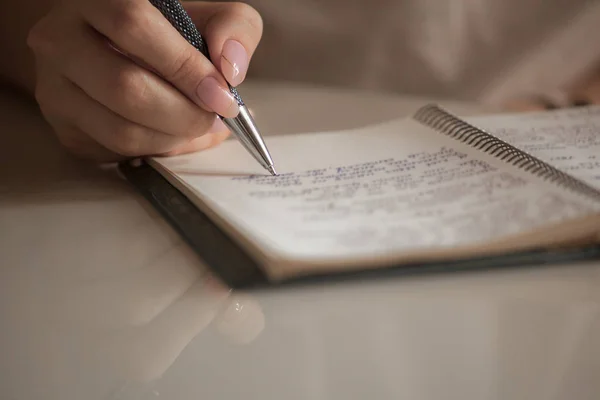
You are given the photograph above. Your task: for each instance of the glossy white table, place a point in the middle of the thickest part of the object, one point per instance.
(100, 299)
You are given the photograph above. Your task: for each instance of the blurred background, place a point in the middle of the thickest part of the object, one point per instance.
(490, 51)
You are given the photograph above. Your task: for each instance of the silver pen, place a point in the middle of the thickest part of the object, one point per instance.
(242, 126)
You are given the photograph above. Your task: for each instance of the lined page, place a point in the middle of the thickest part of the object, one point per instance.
(370, 192)
(567, 139)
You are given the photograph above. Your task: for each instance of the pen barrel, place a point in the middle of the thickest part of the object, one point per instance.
(174, 12)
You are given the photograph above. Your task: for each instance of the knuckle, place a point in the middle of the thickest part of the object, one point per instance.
(34, 38)
(42, 97)
(69, 141)
(128, 140)
(183, 68)
(40, 40)
(127, 18)
(249, 14)
(131, 88)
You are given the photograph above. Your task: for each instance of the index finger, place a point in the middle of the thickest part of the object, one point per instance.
(139, 29)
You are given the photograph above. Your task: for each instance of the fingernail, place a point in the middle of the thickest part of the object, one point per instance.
(217, 98)
(234, 62)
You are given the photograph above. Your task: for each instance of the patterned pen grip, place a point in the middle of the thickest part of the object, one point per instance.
(174, 12)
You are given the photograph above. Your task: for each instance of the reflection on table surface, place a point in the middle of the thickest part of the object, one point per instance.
(100, 299)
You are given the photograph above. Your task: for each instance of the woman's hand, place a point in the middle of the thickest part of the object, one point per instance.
(116, 80)
(584, 92)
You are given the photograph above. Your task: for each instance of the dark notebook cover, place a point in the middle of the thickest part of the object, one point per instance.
(237, 269)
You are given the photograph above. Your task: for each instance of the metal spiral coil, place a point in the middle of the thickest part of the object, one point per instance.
(442, 121)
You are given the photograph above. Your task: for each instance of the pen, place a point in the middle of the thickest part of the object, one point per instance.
(242, 126)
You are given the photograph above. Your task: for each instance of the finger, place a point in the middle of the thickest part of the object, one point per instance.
(525, 105)
(127, 89)
(147, 352)
(71, 138)
(79, 144)
(216, 135)
(586, 91)
(64, 99)
(242, 321)
(139, 29)
(232, 32)
(587, 95)
(137, 295)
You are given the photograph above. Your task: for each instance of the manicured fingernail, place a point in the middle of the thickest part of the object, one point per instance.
(234, 62)
(217, 98)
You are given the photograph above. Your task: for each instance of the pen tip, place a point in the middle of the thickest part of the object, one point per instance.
(272, 170)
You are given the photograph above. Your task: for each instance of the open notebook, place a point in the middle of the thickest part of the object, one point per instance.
(428, 189)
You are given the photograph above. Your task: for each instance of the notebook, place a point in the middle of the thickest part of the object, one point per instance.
(432, 190)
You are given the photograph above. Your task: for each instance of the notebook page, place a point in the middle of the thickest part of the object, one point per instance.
(567, 139)
(370, 192)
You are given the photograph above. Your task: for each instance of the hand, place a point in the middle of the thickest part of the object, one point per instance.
(129, 320)
(587, 91)
(584, 92)
(116, 80)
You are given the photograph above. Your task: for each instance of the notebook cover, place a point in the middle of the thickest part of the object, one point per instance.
(237, 269)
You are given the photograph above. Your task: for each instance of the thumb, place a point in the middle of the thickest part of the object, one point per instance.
(232, 32)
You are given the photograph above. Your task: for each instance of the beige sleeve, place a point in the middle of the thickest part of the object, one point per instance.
(569, 53)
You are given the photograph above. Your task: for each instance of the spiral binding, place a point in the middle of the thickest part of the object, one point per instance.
(444, 122)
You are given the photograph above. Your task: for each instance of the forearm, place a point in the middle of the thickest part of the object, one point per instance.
(16, 19)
